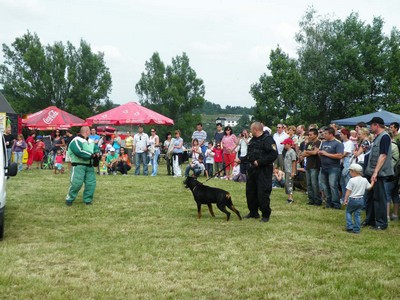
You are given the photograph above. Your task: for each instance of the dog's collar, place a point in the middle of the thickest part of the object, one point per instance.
(197, 185)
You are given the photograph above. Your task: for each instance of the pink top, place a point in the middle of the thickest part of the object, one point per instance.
(229, 143)
(59, 159)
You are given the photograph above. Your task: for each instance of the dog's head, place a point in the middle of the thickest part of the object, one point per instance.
(190, 182)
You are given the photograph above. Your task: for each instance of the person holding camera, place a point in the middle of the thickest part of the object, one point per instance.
(84, 156)
(243, 141)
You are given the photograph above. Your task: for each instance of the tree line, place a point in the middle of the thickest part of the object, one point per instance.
(344, 68)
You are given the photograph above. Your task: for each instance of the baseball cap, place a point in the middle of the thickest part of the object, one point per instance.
(376, 120)
(356, 167)
(288, 141)
(112, 149)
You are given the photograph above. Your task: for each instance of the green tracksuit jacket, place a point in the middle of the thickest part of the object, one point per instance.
(82, 171)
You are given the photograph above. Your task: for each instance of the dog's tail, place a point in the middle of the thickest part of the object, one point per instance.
(231, 207)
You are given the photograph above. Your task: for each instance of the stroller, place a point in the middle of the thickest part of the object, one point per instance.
(48, 162)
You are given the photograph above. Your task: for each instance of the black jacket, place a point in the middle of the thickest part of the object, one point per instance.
(263, 150)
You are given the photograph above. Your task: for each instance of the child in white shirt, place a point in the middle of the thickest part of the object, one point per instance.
(209, 160)
(354, 198)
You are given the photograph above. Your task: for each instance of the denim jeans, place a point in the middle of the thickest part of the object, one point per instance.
(141, 158)
(314, 195)
(154, 162)
(354, 206)
(330, 182)
(9, 152)
(196, 171)
(18, 159)
(344, 179)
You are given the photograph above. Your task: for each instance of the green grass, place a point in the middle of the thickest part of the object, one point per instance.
(141, 240)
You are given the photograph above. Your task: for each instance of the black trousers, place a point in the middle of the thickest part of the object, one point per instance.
(258, 190)
(376, 205)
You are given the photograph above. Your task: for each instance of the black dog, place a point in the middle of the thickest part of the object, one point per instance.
(207, 195)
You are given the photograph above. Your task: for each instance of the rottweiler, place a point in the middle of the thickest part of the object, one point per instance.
(207, 195)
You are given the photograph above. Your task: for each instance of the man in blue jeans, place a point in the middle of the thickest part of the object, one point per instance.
(330, 153)
(140, 146)
(313, 166)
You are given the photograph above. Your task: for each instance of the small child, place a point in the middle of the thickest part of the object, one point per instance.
(209, 160)
(354, 198)
(353, 137)
(58, 166)
(103, 165)
(217, 159)
(289, 166)
(39, 152)
(278, 178)
(197, 166)
(236, 175)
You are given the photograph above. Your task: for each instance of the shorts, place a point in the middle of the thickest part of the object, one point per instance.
(288, 183)
(58, 166)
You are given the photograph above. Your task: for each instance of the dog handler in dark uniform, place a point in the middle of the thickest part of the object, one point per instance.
(261, 154)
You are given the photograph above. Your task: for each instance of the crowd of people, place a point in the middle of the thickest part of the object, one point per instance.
(333, 160)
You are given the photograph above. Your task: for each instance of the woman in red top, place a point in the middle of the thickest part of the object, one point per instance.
(39, 152)
(229, 142)
(30, 147)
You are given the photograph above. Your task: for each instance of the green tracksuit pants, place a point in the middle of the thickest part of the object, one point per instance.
(82, 175)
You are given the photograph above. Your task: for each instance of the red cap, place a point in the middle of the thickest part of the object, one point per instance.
(288, 141)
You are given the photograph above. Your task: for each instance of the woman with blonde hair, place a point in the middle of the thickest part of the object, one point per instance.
(363, 146)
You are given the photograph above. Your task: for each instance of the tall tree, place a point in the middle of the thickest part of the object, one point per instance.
(278, 95)
(174, 91)
(36, 76)
(344, 68)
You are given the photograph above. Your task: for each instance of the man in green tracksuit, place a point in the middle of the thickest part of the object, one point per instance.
(82, 154)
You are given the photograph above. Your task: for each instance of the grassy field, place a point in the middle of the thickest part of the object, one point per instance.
(141, 240)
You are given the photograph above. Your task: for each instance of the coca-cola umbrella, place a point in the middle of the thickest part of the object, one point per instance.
(130, 113)
(52, 118)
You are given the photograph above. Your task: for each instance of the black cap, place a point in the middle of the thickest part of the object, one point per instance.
(376, 120)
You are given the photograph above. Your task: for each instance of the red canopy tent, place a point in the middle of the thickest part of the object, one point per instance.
(52, 118)
(130, 113)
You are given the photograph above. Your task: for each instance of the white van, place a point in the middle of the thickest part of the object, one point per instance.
(5, 171)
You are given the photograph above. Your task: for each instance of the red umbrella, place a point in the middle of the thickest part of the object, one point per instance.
(52, 118)
(130, 113)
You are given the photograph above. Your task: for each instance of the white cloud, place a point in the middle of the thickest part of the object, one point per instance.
(23, 6)
(259, 54)
(111, 53)
(212, 49)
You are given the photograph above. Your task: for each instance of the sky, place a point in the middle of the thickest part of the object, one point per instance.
(228, 42)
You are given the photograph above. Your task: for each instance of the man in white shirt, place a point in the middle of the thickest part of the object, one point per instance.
(279, 136)
(140, 144)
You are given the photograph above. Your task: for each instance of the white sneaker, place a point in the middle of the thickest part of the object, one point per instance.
(115, 173)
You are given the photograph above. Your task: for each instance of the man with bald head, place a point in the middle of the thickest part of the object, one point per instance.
(83, 155)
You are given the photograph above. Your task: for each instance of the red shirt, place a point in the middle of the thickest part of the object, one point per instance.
(218, 155)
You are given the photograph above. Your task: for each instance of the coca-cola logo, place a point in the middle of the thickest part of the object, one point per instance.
(52, 114)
